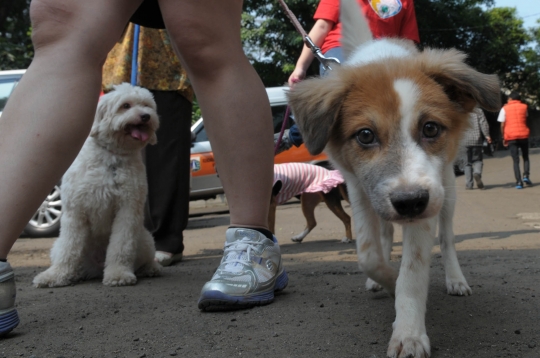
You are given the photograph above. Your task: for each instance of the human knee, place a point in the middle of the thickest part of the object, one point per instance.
(50, 22)
(205, 55)
(202, 60)
(59, 28)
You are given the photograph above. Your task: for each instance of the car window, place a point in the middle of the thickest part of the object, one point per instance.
(278, 114)
(6, 87)
(200, 134)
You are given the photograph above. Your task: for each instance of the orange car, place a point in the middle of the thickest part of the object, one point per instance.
(205, 183)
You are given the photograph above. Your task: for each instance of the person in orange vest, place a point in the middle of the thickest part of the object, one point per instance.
(515, 134)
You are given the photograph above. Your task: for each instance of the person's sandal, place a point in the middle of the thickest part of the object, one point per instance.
(166, 258)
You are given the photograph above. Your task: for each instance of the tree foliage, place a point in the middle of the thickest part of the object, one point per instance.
(270, 39)
(527, 80)
(493, 38)
(16, 49)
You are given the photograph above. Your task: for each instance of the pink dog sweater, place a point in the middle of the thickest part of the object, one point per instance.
(298, 178)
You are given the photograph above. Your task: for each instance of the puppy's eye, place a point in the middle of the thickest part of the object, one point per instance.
(126, 106)
(431, 130)
(365, 136)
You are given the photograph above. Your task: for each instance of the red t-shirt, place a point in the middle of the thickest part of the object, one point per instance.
(386, 18)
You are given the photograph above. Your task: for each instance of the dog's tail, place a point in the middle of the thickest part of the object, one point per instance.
(354, 27)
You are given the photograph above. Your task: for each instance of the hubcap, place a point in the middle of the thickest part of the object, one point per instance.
(49, 211)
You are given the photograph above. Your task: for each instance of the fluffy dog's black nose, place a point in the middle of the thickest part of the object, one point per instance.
(410, 203)
(145, 117)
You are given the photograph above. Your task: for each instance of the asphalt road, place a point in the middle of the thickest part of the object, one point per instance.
(325, 311)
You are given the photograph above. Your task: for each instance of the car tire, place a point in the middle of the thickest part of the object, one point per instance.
(46, 220)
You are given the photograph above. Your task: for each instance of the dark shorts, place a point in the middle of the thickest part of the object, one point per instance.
(148, 15)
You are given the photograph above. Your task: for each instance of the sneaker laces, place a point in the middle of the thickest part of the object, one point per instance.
(239, 252)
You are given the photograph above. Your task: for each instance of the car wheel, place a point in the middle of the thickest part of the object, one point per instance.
(46, 220)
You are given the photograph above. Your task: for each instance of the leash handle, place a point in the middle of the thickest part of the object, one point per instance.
(325, 61)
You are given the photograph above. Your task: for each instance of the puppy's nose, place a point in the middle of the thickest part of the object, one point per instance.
(145, 117)
(410, 203)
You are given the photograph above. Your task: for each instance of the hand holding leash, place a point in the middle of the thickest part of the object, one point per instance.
(325, 61)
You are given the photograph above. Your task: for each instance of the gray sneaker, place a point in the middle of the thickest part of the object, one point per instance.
(9, 319)
(249, 273)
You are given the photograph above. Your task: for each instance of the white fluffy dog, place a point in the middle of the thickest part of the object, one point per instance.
(103, 196)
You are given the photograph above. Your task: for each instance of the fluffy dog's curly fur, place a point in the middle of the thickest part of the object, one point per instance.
(103, 196)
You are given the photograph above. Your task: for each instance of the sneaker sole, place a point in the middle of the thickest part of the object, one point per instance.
(8, 321)
(217, 300)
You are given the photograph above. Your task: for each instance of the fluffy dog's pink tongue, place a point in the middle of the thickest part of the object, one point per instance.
(138, 134)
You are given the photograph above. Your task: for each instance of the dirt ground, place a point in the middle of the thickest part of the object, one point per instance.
(324, 312)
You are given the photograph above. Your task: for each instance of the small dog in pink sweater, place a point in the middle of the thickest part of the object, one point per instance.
(313, 184)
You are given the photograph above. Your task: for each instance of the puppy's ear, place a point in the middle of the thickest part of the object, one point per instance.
(153, 139)
(316, 104)
(462, 83)
(100, 114)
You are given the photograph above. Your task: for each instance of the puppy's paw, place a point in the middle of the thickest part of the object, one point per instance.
(301, 236)
(458, 287)
(151, 269)
(373, 286)
(408, 346)
(52, 278)
(119, 277)
(346, 240)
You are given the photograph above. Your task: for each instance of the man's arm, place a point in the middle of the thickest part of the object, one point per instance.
(502, 120)
(484, 126)
(317, 34)
(502, 134)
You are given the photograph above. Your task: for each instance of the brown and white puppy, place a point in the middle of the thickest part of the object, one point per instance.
(313, 184)
(390, 119)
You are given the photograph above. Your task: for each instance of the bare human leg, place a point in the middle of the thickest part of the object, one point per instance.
(234, 103)
(236, 111)
(49, 115)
